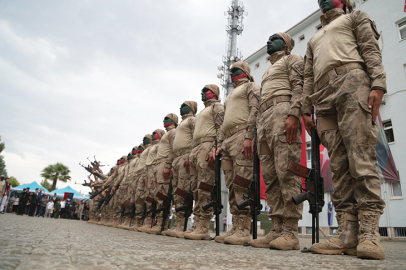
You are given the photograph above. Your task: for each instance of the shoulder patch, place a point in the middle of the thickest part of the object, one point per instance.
(299, 67)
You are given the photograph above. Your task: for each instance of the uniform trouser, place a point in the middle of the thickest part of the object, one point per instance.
(148, 182)
(234, 163)
(205, 174)
(350, 139)
(140, 191)
(275, 153)
(161, 184)
(181, 179)
(3, 202)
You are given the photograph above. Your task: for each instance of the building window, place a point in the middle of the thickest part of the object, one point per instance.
(301, 38)
(308, 151)
(309, 230)
(318, 27)
(383, 231)
(387, 127)
(257, 65)
(299, 230)
(402, 29)
(400, 232)
(333, 230)
(396, 189)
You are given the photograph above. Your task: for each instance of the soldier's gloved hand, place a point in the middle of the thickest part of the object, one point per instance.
(186, 164)
(166, 173)
(211, 158)
(308, 123)
(291, 127)
(247, 148)
(375, 100)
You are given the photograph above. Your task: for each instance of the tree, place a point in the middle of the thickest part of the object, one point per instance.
(2, 145)
(3, 170)
(14, 182)
(46, 185)
(56, 172)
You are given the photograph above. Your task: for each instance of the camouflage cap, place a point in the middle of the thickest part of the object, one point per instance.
(160, 132)
(192, 105)
(244, 67)
(289, 42)
(141, 145)
(148, 136)
(214, 88)
(173, 117)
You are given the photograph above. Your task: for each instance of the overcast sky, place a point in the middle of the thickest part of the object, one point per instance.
(84, 78)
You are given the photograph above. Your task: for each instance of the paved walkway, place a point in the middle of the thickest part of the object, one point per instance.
(41, 243)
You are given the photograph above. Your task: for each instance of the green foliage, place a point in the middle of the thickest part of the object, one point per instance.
(14, 182)
(46, 184)
(2, 145)
(3, 170)
(54, 173)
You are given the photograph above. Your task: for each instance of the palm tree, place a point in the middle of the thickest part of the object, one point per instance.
(56, 172)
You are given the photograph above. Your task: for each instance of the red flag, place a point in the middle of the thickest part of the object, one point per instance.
(303, 158)
(405, 7)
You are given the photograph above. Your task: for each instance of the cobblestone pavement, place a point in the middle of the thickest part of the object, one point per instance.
(41, 243)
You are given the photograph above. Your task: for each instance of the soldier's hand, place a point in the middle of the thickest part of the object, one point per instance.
(186, 164)
(211, 158)
(103, 187)
(291, 127)
(219, 150)
(375, 100)
(247, 148)
(114, 189)
(308, 123)
(166, 173)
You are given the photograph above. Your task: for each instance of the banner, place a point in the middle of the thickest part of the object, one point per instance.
(330, 213)
(68, 196)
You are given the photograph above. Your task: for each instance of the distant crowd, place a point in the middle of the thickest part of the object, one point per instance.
(41, 205)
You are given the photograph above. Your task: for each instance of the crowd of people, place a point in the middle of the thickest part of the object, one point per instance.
(38, 204)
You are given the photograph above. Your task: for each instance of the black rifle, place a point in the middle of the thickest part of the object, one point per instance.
(187, 206)
(142, 212)
(253, 197)
(214, 200)
(166, 206)
(110, 196)
(85, 184)
(313, 190)
(94, 194)
(152, 211)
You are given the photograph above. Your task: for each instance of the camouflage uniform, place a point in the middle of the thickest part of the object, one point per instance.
(162, 184)
(241, 109)
(281, 91)
(207, 126)
(104, 213)
(343, 64)
(177, 156)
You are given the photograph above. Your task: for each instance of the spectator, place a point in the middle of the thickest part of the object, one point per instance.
(224, 222)
(57, 208)
(63, 204)
(54, 198)
(50, 205)
(15, 204)
(43, 205)
(4, 188)
(36, 202)
(40, 196)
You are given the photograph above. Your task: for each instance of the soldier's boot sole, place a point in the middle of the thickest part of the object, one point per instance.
(180, 234)
(282, 244)
(171, 233)
(195, 236)
(232, 240)
(371, 251)
(154, 231)
(260, 243)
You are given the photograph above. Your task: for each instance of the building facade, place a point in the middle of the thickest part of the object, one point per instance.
(390, 19)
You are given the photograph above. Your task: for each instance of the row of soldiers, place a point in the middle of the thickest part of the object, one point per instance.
(342, 75)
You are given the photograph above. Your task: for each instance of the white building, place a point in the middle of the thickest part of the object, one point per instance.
(390, 18)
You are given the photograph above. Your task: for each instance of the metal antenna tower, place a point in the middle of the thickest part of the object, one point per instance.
(236, 13)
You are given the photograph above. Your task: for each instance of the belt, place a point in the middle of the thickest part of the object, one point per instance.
(234, 130)
(181, 152)
(271, 102)
(337, 71)
(203, 140)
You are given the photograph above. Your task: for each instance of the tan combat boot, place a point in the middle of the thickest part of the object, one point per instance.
(103, 220)
(369, 246)
(220, 238)
(156, 229)
(135, 224)
(275, 232)
(178, 227)
(345, 240)
(124, 223)
(289, 237)
(201, 231)
(146, 226)
(241, 234)
(181, 234)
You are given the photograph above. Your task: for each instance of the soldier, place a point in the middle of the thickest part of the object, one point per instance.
(202, 156)
(150, 181)
(130, 184)
(161, 180)
(345, 80)
(141, 189)
(104, 212)
(279, 141)
(236, 142)
(93, 205)
(179, 154)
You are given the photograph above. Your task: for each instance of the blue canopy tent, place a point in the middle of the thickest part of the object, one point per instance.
(32, 186)
(61, 191)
